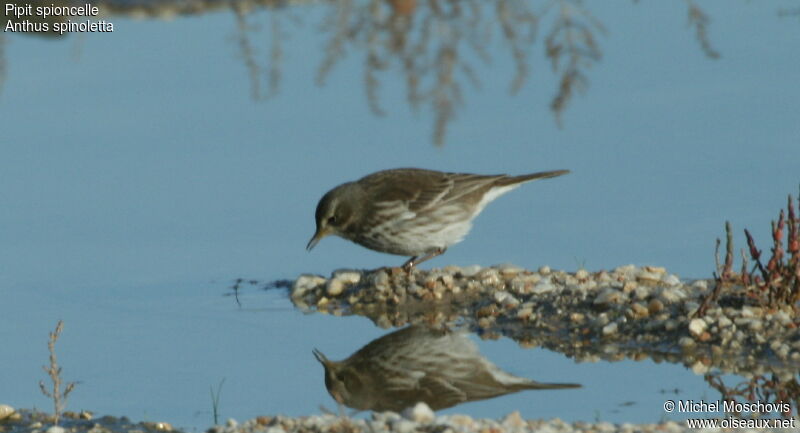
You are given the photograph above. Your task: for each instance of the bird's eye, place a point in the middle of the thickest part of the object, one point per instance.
(332, 220)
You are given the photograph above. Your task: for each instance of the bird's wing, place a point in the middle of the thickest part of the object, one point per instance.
(443, 393)
(453, 187)
(417, 190)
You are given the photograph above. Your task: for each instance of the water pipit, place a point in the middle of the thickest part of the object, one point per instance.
(410, 211)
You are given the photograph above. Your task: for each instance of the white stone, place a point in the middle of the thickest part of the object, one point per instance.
(610, 329)
(610, 296)
(782, 317)
(420, 413)
(404, 426)
(670, 280)
(641, 292)
(340, 280)
(306, 282)
(627, 269)
(699, 368)
(525, 313)
(505, 299)
(543, 286)
(334, 287)
(686, 342)
(347, 276)
(514, 421)
(470, 270)
(690, 307)
(6, 411)
(748, 312)
(508, 268)
(648, 276)
(518, 286)
(672, 295)
(605, 426)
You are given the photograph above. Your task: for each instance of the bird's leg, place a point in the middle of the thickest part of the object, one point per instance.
(409, 264)
(413, 261)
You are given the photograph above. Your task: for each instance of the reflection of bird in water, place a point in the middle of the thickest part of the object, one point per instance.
(440, 368)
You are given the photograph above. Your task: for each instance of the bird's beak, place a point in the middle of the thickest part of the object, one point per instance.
(319, 234)
(321, 358)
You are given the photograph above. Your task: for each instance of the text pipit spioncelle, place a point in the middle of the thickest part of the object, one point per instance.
(410, 211)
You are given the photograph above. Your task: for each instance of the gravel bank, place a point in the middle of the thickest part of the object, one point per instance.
(420, 419)
(630, 312)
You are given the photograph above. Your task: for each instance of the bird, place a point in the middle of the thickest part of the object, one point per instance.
(410, 211)
(441, 368)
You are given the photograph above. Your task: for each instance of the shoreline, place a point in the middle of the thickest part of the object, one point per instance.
(417, 419)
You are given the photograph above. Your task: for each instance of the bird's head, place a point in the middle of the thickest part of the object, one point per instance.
(334, 213)
(335, 378)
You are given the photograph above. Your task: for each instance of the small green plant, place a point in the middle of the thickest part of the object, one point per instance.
(215, 400)
(54, 371)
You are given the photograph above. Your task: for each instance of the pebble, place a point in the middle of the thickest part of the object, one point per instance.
(304, 283)
(670, 280)
(655, 306)
(506, 299)
(648, 277)
(610, 329)
(509, 270)
(642, 292)
(470, 271)
(6, 411)
(544, 286)
(639, 311)
(340, 280)
(420, 413)
(380, 280)
(699, 368)
(672, 295)
(610, 296)
(514, 421)
(525, 313)
(697, 327)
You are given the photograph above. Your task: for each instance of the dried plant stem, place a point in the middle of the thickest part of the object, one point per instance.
(54, 371)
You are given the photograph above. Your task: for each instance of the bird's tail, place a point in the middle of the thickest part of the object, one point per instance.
(511, 180)
(538, 385)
